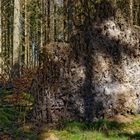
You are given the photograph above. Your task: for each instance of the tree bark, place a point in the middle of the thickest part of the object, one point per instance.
(131, 12)
(16, 37)
(52, 29)
(27, 39)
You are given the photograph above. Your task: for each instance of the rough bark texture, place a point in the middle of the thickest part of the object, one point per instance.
(96, 76)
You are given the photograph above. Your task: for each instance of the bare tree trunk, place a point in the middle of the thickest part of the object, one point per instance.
(52, 20)
(27, 43)
(16, 37)
(42, 23)
(131, 11)
(48, 21)
(65, 20)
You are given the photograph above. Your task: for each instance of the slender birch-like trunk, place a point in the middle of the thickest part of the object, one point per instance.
(52, 20)
(27, 44)
(131, 11)
(16, 37)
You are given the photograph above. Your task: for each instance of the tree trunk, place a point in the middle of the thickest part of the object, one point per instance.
(16, 38)
(42, 24)
(27, 39)
(131, 12)
(65, 19)
(52, 21)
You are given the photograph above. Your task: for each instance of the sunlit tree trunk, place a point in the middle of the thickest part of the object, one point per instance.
(131, 11)
(16, 37)
(27, 44)
(42, 23)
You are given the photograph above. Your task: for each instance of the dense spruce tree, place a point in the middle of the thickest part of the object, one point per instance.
(92, 79)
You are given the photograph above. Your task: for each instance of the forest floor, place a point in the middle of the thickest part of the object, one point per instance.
(120, 128)
(14, 126)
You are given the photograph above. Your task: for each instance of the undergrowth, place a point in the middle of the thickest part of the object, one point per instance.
(15, 124)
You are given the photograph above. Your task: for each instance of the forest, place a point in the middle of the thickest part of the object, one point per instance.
(69, 69)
